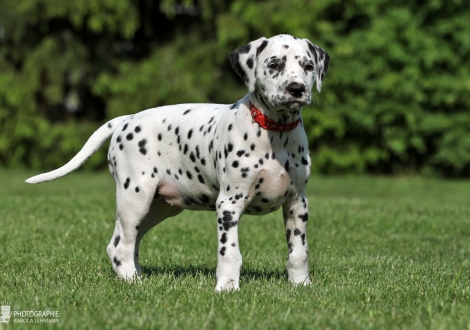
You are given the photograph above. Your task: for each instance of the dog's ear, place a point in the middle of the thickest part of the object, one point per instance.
(243, 61)
(321, 59)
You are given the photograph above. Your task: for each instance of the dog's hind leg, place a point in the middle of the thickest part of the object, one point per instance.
(133, 203)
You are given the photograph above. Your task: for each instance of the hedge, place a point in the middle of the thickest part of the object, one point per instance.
(395, 99)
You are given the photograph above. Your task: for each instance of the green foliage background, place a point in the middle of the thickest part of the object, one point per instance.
(395, 98)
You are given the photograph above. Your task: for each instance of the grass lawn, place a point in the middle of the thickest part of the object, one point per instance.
(385, 253)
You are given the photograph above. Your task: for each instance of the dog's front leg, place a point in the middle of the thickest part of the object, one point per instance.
(295, 213)
(229, 258)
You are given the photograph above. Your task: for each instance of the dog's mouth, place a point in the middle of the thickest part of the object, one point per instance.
(296, 105)
(292, 103)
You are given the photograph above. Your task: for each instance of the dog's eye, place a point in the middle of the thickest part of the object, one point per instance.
(309, 67)
(273, 66)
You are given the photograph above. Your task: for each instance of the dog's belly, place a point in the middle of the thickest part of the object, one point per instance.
(185, 197)
(269, 190)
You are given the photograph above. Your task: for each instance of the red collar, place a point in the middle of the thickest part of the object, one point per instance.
(270, 124)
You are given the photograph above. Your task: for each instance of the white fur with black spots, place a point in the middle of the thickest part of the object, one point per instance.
(216, 157)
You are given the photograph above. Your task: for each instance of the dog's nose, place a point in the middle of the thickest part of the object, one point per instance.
(296, 89)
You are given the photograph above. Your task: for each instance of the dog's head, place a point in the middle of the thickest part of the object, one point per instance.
(282, 69)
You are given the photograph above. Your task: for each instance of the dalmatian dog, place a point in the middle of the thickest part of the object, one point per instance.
(249, 157)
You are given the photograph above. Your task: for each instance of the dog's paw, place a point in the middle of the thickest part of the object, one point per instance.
(301, 282)
(224, 285)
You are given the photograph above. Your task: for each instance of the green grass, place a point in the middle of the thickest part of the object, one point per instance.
(385, 253)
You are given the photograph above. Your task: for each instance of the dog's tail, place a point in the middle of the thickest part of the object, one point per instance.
(94, 142)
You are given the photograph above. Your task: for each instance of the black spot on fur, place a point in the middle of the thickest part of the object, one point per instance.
(296, 232)
(235, 164)
(124, 128)
(249, 63)
(109, 125)
(130, 136)
(137, 189)
(189, 175)
(245, 136)
(303, 217)
(117, 262)
(126, 184)
(116, 240)
(304, 161)
(137, 129)
(190, 133)
(159, 137)
(261, 47)
(186, 112)
(287, 166)
(201, 179)
(142, 144)
(118, 139)
(223, 239)
(222, 250)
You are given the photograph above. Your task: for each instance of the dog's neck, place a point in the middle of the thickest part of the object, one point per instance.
(281, 116)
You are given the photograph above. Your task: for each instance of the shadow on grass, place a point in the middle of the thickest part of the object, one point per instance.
(193, 271)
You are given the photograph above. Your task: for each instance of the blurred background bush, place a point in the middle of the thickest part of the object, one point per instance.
(395, 100)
